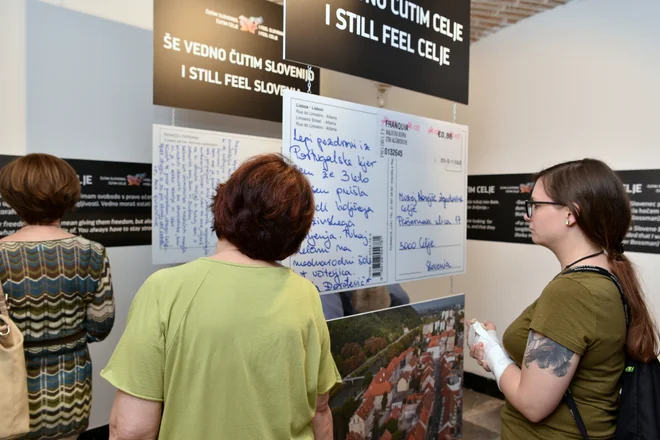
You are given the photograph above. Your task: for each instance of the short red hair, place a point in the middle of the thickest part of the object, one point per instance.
(265, 209)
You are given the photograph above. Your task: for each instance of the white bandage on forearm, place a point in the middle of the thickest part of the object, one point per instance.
(496, 357)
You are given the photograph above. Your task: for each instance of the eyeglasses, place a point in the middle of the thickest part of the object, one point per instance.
(529, 204)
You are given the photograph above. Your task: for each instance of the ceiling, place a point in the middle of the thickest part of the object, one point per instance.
(489, 16)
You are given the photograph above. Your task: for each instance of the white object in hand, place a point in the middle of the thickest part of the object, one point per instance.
(496, 357)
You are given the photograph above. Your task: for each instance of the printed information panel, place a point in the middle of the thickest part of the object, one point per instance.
(390, 191)
(114, 207)
(496, 208)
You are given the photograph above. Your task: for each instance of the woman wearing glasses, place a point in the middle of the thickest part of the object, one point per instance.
(574, 335)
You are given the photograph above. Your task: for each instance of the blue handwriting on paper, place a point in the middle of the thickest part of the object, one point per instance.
(325, 238)
(330, 262)
(332, 273)
(409, 208)
(424, 243)
(438, 221)
(187, 177)
(410, 198)
(429, 198)
(365, 164)
(413, 222)
(341, 248)
(346, 283)
(316, 190)
(350, 177)
(353, 207)
(434, 267)
(300, 138)
(322, 207)
(309, 249)
(310, 155)
(353, 190)
(337, 142)
(305, 171)
(330, 221)
(351, 233)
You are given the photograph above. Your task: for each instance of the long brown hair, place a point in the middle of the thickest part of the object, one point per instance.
(596, 197)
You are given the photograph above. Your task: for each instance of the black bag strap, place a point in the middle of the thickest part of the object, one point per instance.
(572, 407)
(568, 397)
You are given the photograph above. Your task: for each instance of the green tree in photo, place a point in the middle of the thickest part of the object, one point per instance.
(375, 429)
(368, 378)
(392, 426)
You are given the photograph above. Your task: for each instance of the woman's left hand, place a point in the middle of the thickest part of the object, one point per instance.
(477, 351)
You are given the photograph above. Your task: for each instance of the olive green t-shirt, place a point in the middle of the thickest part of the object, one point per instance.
(583, 312)
(233, 351)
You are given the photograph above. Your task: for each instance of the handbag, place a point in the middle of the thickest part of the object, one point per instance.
(14, 409)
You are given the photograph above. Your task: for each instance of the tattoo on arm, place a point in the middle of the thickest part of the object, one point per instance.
(547, 354)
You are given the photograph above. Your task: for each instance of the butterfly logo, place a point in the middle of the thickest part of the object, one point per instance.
(250, 24)
(135, 180)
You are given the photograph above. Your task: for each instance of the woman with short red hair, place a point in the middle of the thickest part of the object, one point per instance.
(234, 345)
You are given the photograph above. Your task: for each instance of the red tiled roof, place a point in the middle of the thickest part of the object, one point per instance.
(396, 413)
(353, 436)
(424, 417)
(445, 432)
(428, 372)
(434, 341)
(405, 376)
(417, 433)
(365, 408)
(378, 389)
(387, 435)
(428, 400)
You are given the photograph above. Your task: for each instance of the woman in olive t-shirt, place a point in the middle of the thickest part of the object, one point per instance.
(574, 335)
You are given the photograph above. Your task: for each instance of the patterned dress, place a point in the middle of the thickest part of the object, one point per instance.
(60, 296)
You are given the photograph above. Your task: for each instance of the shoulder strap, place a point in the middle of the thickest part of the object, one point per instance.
(572, 407)
(568, 397)
(4, 308)
(4, 311)
(613, 278)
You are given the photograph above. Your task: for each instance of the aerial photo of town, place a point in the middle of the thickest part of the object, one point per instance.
(403, 372)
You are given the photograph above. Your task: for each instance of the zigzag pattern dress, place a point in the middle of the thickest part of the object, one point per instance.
(60, 296)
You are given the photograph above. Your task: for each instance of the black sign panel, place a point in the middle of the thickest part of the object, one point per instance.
(422, 46)
(496, 206)
(643, 187)
(224, 56)
(114, 208)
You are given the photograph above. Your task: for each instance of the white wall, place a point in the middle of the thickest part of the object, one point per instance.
(12, 77)
(580, 80)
